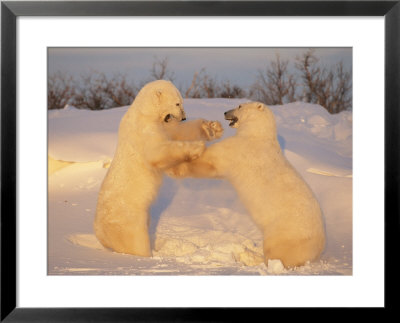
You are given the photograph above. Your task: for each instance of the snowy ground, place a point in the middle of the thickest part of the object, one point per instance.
(198, 226)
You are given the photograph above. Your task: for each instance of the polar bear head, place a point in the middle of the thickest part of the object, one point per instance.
(255, 116)
(160, 100)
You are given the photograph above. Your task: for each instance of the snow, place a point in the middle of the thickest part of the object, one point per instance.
(198, 226)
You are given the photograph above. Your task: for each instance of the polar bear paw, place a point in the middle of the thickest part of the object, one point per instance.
(212, 129)
(179, 171)
(195, 149)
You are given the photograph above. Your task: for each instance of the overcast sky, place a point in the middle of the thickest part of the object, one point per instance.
(238, 65)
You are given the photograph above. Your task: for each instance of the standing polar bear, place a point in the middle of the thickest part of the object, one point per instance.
(151, 139)
(278, 199)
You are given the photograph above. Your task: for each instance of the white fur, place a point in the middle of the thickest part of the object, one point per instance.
(145, 149)
(278, 199)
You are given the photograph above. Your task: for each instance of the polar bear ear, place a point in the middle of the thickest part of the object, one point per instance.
(260, 107)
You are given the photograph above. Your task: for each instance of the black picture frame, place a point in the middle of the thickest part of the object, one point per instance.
(10, 10)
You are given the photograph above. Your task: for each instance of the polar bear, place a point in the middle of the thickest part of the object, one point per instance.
(277, 198)
(151, 138)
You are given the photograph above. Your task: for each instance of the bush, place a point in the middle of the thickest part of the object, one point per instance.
(205, 86)
(95, 91)
(60, 91)
(275, 85)
(329, 87)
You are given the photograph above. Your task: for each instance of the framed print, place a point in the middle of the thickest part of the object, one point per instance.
(59, 133)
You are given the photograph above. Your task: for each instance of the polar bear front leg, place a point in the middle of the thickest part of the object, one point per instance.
(172, 153)
(206, 166)
(198, 129)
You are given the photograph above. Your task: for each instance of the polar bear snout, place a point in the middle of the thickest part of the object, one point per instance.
(180, 116)
(183, 115)
(230, 115)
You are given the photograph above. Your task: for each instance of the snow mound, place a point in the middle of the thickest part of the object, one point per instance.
(275, 266)
(86, 240)
(55, 165)
(193, 245)
(314, 119)
(83, 135)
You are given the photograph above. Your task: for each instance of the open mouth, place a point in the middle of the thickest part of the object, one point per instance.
(168, 117)
(232, 120)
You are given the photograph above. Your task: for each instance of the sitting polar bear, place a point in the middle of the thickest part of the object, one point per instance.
(151, 139)
(278, 199)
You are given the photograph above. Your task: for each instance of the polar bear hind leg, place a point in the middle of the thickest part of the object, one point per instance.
(128, 238)
(292, 252)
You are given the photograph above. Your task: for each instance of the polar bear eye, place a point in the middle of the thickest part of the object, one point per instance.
(240, 106)
(178, 104)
